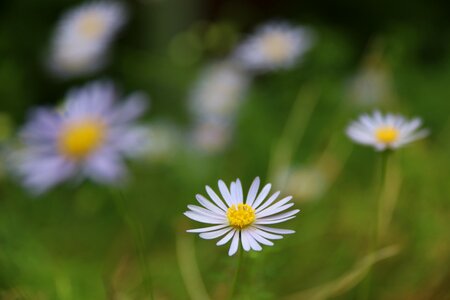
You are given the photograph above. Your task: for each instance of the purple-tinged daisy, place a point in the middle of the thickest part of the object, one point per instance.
(275, 45)
(83, 36)
(87, 138)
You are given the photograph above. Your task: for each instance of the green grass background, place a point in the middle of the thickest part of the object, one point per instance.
(93, 242)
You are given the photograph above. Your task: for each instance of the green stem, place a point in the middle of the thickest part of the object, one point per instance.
(138, 237)
(237, 272)
(385, 158)
(380, 182)
(292, 134)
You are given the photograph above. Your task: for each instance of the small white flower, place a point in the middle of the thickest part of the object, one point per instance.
(236, 220)
(276, 45)
(83, 36)
(370, 86)
(87, 138)
(385, 132)
(219, 90)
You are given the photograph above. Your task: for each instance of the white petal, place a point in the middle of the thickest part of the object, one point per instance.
(239, 193)
(206, 229)
(244, 241)
(214, 234)
(271, 211)
(253, 243)
(234, 244)
(273, 221)
(265, 191)
(259, 238)
(267, 235)
(206, 212)
(203, 201)
(278, 204)
(215, 198)
(269, 201)
(226, 238)
(233, 192)
(202, 218)
(281, 216)
(275, 230)
(253, 191)
(225, 193)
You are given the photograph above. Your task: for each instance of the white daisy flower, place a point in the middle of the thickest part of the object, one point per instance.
(85, 139)
(83, 37)
(219, 90)
(236, 220)
(385, 132)
(276, 45)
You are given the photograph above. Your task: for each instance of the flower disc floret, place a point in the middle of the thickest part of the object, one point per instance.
(241, 215)
(79, 139)
(387, 134)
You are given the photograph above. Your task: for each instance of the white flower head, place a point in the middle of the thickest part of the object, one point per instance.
(385, 131)
(83, 36)
(87, 138)
(275, 45)
(241, 221)
(219, 90)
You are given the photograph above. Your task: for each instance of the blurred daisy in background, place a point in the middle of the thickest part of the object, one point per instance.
(219, 90)
(211, 135)
(81, 42)
(241, 222)
(275, 45)
(164, 140)
(385, 131)
(87, 138)
(372, 84)
(306, 183)
(214, 103)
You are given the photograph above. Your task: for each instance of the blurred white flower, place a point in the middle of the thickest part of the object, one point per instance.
(275, 45)
(307, 184)
(370, 86)
(164, 140)
(241, 221)
(211, 135)
(83, 36)
(214, 103)
(87, 138)
(219, 90)
(385, 132)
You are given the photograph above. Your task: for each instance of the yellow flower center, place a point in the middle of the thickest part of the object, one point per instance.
(91, 25)
(276, 46)
(387, 134)
(79, 139)
(240, 216)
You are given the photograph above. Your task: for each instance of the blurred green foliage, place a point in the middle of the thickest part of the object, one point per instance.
(79, 243)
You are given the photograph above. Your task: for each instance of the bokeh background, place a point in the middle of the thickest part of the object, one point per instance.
(95, 242)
